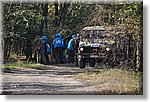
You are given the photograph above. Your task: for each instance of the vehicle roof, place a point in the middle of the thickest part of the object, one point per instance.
(94, 28)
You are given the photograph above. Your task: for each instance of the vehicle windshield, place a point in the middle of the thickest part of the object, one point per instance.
(92, 34)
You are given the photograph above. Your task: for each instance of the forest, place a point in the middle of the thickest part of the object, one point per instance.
(22, 22)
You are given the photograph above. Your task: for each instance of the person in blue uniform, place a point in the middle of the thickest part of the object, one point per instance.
(57, 44)
(70, 49)
(47, 50)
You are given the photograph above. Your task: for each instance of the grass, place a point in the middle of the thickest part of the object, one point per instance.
(114, 81)
(21, 64)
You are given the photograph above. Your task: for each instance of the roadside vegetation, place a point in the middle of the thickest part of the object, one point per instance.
(18, 62)
(114, 81)
(21, 65)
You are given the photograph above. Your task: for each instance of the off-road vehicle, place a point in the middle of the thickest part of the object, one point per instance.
(95, 46)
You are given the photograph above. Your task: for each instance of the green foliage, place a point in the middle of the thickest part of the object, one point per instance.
(78, 16)
(24, 19)
(13, 65)
(21, 19)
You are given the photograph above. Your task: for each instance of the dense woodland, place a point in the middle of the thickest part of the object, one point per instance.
(24, 21)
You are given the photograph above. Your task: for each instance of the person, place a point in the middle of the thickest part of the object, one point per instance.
(69, 37)
(57, 44)
(47, 50)
(76, 48)
(70, 49)
(37, 43)
(63, 50)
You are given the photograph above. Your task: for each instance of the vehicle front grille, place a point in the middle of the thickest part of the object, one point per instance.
(93, 50)
(88, 50)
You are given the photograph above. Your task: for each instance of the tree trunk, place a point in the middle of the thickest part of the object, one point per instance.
(137, 57)
(63, 13)
(28, 50)
(56, 15)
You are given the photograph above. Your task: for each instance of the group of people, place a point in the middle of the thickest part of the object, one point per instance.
(63, 50)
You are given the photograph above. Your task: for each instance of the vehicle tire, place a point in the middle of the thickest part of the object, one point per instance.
(92, 63)
(81, 63)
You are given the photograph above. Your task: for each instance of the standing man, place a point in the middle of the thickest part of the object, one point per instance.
(70, 49)
(46, 50)
(63, 50)
(77, 38)
(57, 43)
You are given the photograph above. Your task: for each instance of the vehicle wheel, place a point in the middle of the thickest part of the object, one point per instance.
(92, 63)
(81, 63)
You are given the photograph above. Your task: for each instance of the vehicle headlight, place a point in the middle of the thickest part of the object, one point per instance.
(107, 49)
(81, 49)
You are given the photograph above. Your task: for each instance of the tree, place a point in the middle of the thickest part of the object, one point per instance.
(24, 21)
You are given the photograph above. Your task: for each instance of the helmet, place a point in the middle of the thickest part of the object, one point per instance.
(58, 35)
(44, 38)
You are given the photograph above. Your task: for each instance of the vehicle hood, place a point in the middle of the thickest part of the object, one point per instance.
(96, 43)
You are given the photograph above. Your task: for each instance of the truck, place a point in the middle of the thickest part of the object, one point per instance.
(95, 46)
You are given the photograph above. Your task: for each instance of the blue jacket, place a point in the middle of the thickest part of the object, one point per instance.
(58, 42)
(48, 48)
(70, 44)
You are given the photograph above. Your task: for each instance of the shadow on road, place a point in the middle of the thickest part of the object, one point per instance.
(45, 70)
(49, 79)
(40, 88)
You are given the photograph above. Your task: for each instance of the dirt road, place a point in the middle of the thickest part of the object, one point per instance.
(51, 79)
